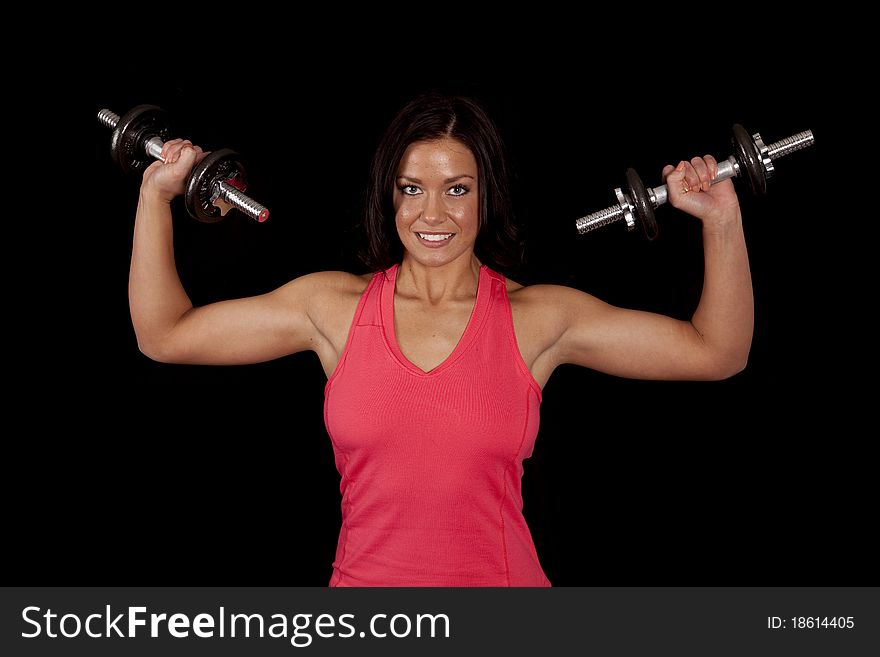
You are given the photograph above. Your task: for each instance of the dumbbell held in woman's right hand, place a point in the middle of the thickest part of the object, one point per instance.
(217, 181)
(166, 177)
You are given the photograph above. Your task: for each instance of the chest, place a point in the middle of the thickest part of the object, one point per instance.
(428, 335)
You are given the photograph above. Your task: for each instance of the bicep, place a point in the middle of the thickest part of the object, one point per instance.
(248, 330)
(628, 343)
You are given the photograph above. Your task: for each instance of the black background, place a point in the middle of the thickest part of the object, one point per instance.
(131, 471)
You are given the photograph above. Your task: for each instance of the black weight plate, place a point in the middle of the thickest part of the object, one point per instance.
(134, 130)
(749, 160)
(216, 167)
(643, 208)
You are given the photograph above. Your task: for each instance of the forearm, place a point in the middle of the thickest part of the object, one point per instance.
(724, 317)
(156, 296)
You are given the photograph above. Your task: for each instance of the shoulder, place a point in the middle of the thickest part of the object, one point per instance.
(550, 309)
(544, 297)
(331, 285)
(331, 299)
(334, 295)
(337, 280)
(541, 315)
(333, 292)
(340, 283)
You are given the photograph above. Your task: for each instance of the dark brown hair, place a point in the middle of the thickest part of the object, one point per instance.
(435, 116)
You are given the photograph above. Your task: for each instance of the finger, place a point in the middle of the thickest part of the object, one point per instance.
(185, 145)
(200, 154)
(188, 156)
(691, 181)
(666, 171)
(712, 163)
(702, 171)
(675, 178)
(169, 147)
(177, 149)
(166, 147)
(683, 178)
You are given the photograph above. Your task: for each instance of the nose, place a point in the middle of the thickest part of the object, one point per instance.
(432, 213)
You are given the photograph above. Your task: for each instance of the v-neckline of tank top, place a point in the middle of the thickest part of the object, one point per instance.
(470, 329)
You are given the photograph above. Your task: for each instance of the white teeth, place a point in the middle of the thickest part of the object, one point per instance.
(434, 238)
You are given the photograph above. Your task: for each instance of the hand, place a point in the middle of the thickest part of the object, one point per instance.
(690, 189)
(166, 179)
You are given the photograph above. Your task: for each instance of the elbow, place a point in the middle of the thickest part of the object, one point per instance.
(159, 343)
(151, 351)
(725, 368)
(157, 350)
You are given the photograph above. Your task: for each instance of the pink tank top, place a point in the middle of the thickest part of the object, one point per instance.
(431, 462)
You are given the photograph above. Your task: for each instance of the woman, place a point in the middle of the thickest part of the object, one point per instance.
(435, 361)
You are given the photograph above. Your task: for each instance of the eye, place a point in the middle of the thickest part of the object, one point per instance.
(409, 190)
(458, 190)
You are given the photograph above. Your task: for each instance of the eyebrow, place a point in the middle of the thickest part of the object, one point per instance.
(445, 182)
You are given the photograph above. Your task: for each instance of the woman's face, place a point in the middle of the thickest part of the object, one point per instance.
(436, 201)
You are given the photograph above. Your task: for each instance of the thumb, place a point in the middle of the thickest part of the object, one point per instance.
(152, 167)
(674, 174)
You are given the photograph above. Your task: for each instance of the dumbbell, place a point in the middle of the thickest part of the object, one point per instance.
(214, 184)
(751, 160)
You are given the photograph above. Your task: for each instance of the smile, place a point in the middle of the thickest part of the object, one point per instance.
(435, 237)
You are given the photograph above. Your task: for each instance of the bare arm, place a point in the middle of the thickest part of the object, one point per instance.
(636, 344)
(168, 327)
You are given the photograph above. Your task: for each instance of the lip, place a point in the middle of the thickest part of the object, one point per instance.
(434, 245)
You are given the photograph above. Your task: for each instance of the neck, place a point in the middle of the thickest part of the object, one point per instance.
(437, 284)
